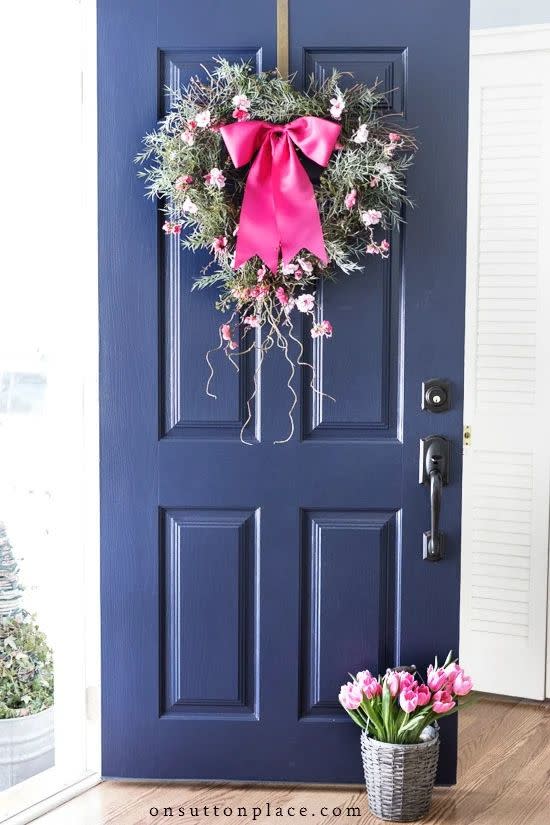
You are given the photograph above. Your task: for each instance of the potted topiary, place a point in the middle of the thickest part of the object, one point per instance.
(26, 682)
(398, 715)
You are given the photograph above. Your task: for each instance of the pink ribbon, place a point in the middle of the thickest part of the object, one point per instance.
(279, 210)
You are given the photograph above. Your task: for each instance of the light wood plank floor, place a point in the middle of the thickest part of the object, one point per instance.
(504, 779)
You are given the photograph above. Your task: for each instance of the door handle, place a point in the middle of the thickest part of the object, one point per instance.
(434, 471)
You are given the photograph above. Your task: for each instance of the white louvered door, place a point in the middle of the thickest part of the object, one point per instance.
(507, 363)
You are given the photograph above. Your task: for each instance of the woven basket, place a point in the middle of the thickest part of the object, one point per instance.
(400, 778)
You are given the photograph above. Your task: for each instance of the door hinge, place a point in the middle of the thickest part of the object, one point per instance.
(467, 435)
(92, 703)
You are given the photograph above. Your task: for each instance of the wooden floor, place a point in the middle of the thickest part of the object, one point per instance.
(504, 779)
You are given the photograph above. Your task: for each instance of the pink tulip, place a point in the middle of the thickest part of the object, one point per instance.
(452, 671)
(368, 684)
(406, 680)
(443, 701)
(350, 696)
(408, 699)
(392, 681)
(462, 684)
(436, 678)
(424, 695)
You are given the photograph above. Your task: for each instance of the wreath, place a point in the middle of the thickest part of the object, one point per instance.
(283, 188)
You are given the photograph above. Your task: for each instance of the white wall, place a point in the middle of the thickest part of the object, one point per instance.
(490, 13)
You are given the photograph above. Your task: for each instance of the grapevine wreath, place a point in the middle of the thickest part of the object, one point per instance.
(283, 188)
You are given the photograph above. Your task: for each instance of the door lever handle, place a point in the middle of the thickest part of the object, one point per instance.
(434, 470)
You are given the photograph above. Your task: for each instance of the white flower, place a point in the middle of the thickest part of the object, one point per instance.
(203, 119)
(189, 206)
(307, 266)
(241, 102)
(215, 178)
(305, 302)
(361, 135)
(371, 217)
(288, 269)
(337, 106)
(384, 168)
(188, 137)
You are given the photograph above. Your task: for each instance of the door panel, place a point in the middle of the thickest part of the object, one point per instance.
(240, 584)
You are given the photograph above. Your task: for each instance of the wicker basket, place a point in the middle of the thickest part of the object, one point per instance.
(400, 778)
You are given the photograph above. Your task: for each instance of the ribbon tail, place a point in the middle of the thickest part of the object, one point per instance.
(258, 233)
(296, 209)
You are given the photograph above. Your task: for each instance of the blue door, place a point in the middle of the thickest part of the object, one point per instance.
(240, 584)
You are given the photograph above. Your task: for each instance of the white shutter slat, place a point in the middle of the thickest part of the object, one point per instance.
(506, 490)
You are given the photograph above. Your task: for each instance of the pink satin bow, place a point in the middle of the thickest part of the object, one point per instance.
(279, 211)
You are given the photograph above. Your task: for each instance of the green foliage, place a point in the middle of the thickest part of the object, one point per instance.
(26, 667)
(273, 98)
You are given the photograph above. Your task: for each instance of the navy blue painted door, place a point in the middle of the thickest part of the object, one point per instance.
(241, 584)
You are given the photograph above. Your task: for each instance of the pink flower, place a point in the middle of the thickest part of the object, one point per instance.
(241, 102)
(443, 701)
(258, 292)
(351, 199)
(241, 114)
(406, 680)
(361, 135)
(374, 181)
(462, 684)
(392, 681)
(322, 330)
(394, 137)
(215, 178)
(252, 321)
(219, 244)
(424, 695)
(452, 671)
(203, 119)
(306, 265)
(368, 684)
(281, 295)
(298, 274)
(187, 137)
(372, 249)
(225, 330)
(337, 106)
(171, 228)
(305, 302)
(233, 345)
(289, 269)
(371, 217)
(436, 678)
(189, 206)
(408, 699)
(384, 245)
(350, 696)
(183, 182)
(338, 146)
(261, 273)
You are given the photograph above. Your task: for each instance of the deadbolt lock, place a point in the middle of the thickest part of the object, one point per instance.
(436, 395)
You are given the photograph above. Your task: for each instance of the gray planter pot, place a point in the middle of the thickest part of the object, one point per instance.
(400, 778)
(26, 747)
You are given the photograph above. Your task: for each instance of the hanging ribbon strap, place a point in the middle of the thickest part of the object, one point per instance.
(279, 210)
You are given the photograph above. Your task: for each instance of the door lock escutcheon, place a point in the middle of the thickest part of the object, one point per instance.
(436, 395)
(434, 470)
